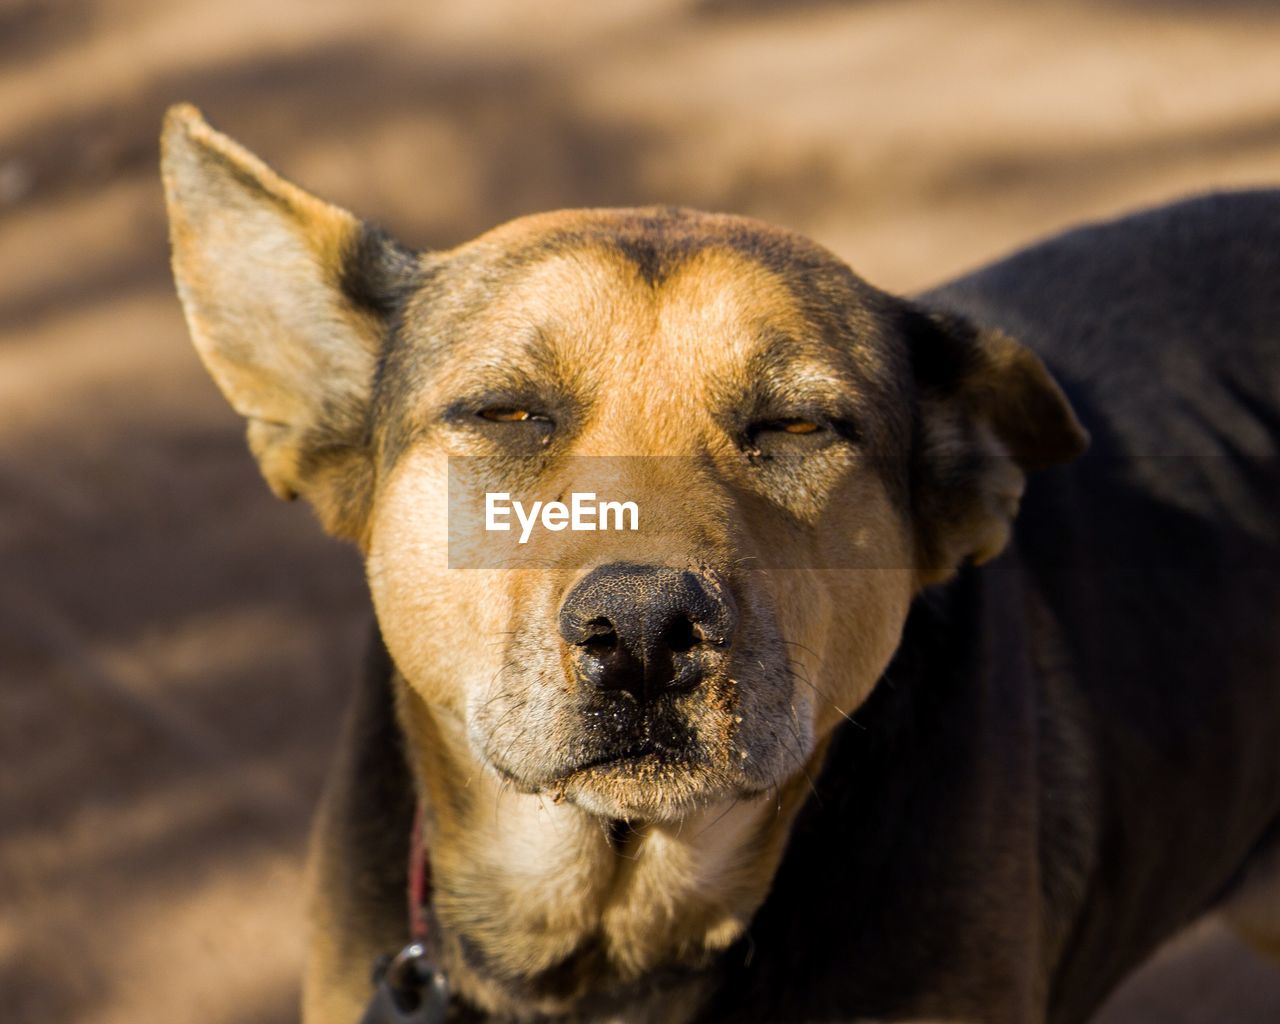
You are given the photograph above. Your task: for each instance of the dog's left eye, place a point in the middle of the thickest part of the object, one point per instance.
(785, 429)
(798, 426)
(794, 435)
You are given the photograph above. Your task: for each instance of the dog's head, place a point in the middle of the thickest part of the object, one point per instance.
(807, 452)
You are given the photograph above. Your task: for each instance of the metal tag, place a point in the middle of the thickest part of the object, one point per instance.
(408, 991)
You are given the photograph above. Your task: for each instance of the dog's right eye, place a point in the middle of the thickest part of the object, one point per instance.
(505, 415)
(515, 426)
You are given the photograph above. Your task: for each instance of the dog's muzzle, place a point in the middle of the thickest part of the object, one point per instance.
(647, 630)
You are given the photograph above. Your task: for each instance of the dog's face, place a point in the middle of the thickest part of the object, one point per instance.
(804, 453)
(730, 380)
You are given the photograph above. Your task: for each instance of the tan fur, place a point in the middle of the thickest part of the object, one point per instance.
(285, 357)
(541, 877)
(689, 887)
(522, 859)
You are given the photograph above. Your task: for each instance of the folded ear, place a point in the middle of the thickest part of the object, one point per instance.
(988, 413)
(287, 300)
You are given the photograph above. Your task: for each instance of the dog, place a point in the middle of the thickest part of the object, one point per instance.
(806, 749)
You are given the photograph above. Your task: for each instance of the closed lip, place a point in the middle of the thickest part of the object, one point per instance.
(613, 757)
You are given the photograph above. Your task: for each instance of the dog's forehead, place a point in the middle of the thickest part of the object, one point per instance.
(709, 297)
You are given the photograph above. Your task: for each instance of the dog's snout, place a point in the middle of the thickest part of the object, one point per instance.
(646, 630)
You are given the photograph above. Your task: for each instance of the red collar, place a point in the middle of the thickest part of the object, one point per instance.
(408, 988)
(419, 895)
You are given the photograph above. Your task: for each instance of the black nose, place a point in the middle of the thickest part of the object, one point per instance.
(646, 629)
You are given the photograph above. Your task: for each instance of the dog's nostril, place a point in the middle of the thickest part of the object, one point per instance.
(681, 635)
(600, 637)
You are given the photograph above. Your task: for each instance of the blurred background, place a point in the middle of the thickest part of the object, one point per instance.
(175, 646)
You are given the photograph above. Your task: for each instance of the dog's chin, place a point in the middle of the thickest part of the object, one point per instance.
(643, 786)
(648, 788)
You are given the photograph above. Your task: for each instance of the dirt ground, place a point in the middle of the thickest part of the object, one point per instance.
(174, 644)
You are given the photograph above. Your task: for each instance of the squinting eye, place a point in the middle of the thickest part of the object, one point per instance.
(795, 426)
(792, 435)
(512, 416)
(799, 426)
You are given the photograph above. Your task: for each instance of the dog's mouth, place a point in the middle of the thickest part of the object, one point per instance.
(621, 759)
(660, 743)
(638, 765)
(664, 763)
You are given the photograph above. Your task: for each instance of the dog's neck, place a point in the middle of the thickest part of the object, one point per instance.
(540, 907)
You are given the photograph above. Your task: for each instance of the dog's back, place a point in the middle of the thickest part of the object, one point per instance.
(1159, 553)
(1164, 327)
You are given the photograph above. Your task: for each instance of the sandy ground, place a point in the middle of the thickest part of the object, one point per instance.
(174, 645)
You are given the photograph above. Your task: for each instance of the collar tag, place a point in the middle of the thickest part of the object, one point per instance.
(408, 990)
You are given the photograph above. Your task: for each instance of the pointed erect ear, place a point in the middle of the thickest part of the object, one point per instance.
(988, 413)
(287, 300)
